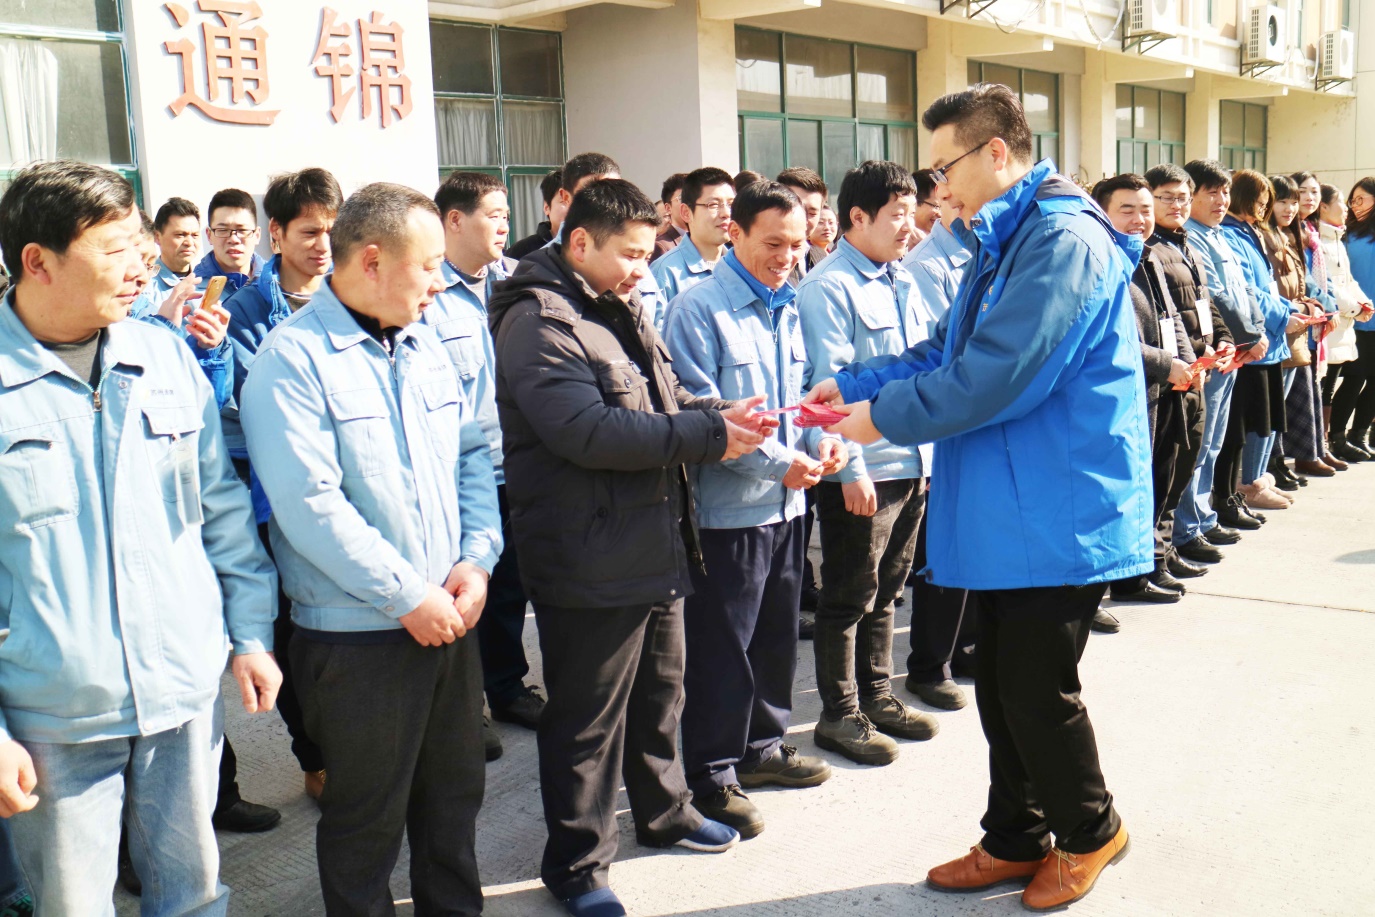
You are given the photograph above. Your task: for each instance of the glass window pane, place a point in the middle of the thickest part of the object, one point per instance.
(100, 15)
(1230, 123)
(461, 58)
(527, 204)
(885, 86)
(1147, 114)
(1255, 125)
(529, 63)
(1124, 156)
(1048, 147)
(1041, 100)
(758, 72)
(804, 144)
(838, 144)
(870, 142)
(467, 131)
(764, 145)
(820, 81)
(534, 133)
(1124, 111)
(1172, 116)
(902, 146)
(1010, 77)
(65, 99)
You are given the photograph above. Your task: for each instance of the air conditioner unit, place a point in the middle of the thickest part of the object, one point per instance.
(1265, 35)
(1338, 56)
(1159, 17)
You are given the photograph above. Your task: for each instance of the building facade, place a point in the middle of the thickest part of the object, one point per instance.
(187, 97)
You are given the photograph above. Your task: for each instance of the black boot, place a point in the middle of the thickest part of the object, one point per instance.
(1345, 451)
(1234, 514)
(1361, 442)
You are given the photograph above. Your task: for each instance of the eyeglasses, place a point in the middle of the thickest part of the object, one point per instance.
(715, 206)
(939, 174)
(1171, 201)
(220, 232)
(934, 205)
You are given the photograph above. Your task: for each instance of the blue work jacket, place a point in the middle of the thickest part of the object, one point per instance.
(680, 270)
(1260, 280)
(937, 267)
(216, 364)
(1361, 251)
(208, 267)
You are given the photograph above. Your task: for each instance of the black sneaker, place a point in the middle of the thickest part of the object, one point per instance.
(246, 818)
(1221, 536)
(491, 742)
(523, 710)
(897, 719)
(730, 806)
(785, 767)
(1199, 550)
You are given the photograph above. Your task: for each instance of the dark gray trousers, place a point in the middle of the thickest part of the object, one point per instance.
(400, 725)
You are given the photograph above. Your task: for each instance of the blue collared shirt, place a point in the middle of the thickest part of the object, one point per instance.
(216, 364)
(680, 269)
(937, 267)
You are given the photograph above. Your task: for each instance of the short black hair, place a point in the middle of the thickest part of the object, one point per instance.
(377, 213)
(549, 185)
(759, 197)
(584, 165)
(463, 191)
(1167, 173)
(926, 183)
(289, 195)
(980, 113)
(744, 178)
(606, 207)
(1208, 174)
(1127, 181)
(52, 203)
(174, 207)
(147, 222)
(234, 199)
(870, 186)
(804, 178)
(698, 180)
(672, 184)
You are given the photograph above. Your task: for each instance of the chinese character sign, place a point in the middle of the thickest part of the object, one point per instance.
(234, 52)
(381, 66)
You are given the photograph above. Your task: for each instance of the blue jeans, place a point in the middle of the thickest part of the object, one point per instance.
(69, 843)
(1255, 455)
(1195, 514)
(12, 887)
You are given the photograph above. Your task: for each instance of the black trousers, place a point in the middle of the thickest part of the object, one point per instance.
(615, 683)
(741, 626)
(1353, 401)
(501, 628)
(942, 621)
(809, 521)
(401, 729)
(864, 565)
(1179, 437)
(1042, 756)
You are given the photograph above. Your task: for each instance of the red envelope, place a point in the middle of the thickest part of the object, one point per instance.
(818, 415)
(778, 412)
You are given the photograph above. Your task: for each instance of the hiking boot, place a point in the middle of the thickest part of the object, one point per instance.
(732, 808)
(523, 710)
(897, 719)
(853, 736)
(785, 767)
(944, 694)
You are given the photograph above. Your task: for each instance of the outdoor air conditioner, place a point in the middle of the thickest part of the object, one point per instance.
(1159, 17)
(1265, 35)
(1337, 60)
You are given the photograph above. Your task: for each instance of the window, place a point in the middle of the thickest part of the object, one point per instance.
(498, 96)
(64, 86)
(1150, 128)
(1040, 95)
(827, 105)
(1243, 135)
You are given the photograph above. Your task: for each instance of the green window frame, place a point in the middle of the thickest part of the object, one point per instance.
(1243, 129)
(520, 171)
(780, 129)
(1150, 128)
(106, 34)
(1045, 128)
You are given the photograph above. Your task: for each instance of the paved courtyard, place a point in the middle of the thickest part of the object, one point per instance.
(1235, 729)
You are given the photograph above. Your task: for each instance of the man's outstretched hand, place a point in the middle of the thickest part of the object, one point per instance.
(825, 392)
(858, 425)
(744, 415)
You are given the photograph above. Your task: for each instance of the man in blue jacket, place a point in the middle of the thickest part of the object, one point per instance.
(232, 230)
(1032, 389)
(385, 530)
(707, 196)
(128, 563)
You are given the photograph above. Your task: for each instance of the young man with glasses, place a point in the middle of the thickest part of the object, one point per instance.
(927, 213)
(1031, 389)
(707, 196)
(233, 235)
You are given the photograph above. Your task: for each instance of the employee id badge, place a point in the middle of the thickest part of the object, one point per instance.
(1274, 288)
(186, 467)
(1205, 317)
(1167, 338)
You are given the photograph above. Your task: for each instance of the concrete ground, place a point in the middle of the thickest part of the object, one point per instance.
(1235, 730)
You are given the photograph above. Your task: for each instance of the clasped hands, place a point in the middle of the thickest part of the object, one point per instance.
(449, 612)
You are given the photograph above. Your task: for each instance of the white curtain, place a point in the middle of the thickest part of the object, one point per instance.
(28, 102)
(467, 130)
(527, 204)
(534, 133)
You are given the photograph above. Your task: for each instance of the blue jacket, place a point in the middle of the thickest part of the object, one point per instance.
(257, 308)
(459, 317)
(853, 310)
(680, 270)
(1033, 390)
(1361, 251)
(128, 557)
(937, 267)
(1227, 283)
(725, 344)
(380, 479)
(208, 267)
(1260, 280)
(214, 363)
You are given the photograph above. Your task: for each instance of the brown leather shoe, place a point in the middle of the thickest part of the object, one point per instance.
(1066, 877)
(315, 784)
(977, 869)
(1334, 462)
(1316, 469)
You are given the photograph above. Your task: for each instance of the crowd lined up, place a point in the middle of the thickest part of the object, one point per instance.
(353, 465)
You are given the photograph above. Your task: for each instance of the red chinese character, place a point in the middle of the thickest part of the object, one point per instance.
(382, 64)
(233, 52)
(334, 64)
